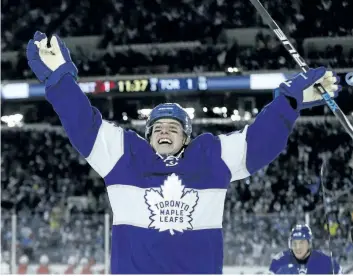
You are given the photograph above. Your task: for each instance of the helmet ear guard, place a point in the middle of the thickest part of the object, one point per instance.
(187, 141)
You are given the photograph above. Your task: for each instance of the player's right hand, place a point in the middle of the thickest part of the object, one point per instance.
(44, 60)
(301, 87)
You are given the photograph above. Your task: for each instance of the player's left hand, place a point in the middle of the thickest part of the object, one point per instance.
(301, 87)
(49, 63)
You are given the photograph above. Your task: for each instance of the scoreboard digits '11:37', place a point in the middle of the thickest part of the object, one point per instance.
(162, 84)
(138, 85)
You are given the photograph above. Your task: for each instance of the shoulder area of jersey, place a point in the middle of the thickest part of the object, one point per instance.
(202, 140)
(281, 255)
(204, 137)
(319, 254)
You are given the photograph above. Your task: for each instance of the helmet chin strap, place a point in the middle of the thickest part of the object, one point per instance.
(176, 155)
(307, 253)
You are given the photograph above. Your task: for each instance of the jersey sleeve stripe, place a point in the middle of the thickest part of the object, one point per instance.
(234, 148)
(108, 148)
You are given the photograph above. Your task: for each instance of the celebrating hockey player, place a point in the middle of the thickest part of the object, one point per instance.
(301, 258)
(167, 191)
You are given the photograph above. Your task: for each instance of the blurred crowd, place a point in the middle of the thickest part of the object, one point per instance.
(60, 201)
(139, 21)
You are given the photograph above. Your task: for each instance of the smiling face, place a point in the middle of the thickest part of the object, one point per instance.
(167, 137)
(300, 249)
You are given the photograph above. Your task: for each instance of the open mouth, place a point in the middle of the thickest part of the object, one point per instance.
(298, 253)
(164, 141)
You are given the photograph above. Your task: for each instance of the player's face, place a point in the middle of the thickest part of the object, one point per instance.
(300, 248)
(167, 136)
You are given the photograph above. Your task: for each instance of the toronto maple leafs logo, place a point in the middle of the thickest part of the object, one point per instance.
(171, 206)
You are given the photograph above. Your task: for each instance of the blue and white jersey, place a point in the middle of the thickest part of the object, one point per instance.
(168, 212)
(317, 263)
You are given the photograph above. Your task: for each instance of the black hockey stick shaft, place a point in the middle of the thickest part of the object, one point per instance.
(323, 172)
(301, 62)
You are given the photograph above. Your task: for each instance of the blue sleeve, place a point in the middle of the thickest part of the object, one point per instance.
(287, 269)
(80, 120)
(267, 137)
(277, 262)
(274, 266)
(246, 151)
(99, 141)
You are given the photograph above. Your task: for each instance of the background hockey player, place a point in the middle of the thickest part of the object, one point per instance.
(301, 258)
(167, 192)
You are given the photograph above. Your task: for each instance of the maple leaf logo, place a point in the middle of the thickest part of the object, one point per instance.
(171, 206)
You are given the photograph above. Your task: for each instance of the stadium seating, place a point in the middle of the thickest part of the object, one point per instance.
(209, 25)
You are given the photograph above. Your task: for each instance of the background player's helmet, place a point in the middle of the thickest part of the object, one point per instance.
(44, 260)
(300, 232)
(72, 260)
(24, 259)
(172, 111)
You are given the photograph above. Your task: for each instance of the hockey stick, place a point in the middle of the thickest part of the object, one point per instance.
(323, 172)
(301, 62)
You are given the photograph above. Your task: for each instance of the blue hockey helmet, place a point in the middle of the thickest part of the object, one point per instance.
(300, 232)
(171, 111)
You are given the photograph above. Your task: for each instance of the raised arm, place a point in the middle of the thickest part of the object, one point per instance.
(100, 142)
(257, 145)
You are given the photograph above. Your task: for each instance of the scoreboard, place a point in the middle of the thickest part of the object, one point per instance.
(258, 83)
(161, 84)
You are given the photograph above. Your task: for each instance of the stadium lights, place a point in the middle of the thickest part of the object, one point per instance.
(144, 112)
(233, 70)
(219, 110)
(216, 110)
(247, 115)
(235, 117)
(205, 109)
(124, 116)
(12, 120)
(190, 111)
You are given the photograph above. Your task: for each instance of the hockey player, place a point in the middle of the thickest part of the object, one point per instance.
(167, 192)
(301, 258)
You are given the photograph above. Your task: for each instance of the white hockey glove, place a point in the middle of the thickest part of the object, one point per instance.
(49, 64)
